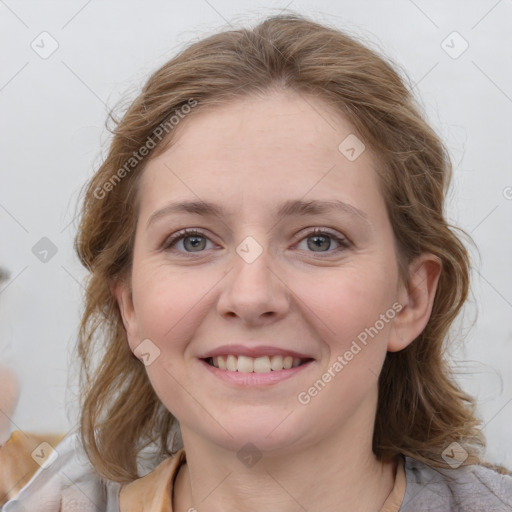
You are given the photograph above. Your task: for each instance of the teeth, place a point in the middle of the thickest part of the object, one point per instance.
(276, 363)
(265, 364)
(245, 364)
(261, 364)
(232, 363)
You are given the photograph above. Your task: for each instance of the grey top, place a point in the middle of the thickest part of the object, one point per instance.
(465, 489)
(71, 483)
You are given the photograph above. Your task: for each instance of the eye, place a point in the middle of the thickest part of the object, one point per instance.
(321, 239)
(193, 240)
(318, 240)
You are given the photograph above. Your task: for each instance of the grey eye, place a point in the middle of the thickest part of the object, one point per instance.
(319, 242)
(194, 242)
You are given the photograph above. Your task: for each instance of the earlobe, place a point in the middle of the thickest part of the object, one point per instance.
(417, 300)
(123, 294)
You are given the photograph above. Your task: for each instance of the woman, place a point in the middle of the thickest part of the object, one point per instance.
(272, 280)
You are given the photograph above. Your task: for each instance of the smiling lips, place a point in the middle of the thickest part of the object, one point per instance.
(245, 364)
(262, 359)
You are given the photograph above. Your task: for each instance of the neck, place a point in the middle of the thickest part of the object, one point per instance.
(330, 475)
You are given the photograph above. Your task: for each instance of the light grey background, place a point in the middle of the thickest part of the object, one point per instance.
(52, 135)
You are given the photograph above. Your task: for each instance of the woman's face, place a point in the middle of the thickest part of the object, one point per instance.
(256, 281)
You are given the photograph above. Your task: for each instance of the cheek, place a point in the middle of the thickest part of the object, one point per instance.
(162, 297)
(166, 306)
(351, 299)
(354, 318)
(170, 305)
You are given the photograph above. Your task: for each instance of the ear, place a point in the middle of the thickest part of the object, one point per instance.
(123, 293)
(417, 299)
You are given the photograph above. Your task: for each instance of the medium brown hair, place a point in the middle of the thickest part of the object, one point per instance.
(421, 410)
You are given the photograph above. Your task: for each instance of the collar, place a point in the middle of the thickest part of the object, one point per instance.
(153, 492)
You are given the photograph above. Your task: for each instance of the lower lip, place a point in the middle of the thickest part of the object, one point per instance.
(252, 378)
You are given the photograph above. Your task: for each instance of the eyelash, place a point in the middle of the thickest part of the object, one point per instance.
(190, 232)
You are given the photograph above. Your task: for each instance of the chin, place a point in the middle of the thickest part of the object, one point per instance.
(265, 436)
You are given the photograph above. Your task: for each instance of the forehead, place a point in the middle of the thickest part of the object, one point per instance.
(263, 147)
(281, 120)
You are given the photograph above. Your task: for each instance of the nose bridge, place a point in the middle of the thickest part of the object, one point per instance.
(252, 288)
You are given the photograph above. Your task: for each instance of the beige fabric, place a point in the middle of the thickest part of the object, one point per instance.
(153, 492)
(10, 391)
(20, 457)
(395, 499)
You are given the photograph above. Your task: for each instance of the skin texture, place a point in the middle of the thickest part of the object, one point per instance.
(250, 156)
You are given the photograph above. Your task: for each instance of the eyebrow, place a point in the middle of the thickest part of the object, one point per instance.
(290, 208)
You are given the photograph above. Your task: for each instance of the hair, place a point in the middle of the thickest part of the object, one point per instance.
(421, 410)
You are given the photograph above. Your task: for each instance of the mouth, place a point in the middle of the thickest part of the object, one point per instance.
(263, 364)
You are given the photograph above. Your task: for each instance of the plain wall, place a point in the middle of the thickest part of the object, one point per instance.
(52, 119)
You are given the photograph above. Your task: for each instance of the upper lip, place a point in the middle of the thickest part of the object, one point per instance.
(260, 351)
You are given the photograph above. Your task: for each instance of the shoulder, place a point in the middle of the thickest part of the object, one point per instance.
(64, 480)
(154, 490)
(21, 456)
(468, 488)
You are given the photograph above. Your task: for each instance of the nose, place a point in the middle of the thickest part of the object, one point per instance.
(254, 291)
